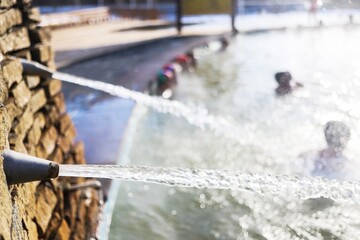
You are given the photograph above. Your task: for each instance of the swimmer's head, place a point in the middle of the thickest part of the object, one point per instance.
(337, 135)
(283, 78)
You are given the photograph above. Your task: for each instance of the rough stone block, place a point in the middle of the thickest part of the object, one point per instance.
(71, 132)
(51, 63)
(5, 199)
(64, 123)
(5, 205)
(13, 110)
(21, 94)
(24, 124)
(46, 201)
(31, 149)
(7, 3)
(52, 87)
(41, 53)
(3, 90)
(38, 100)
(78, 150)
(33, 15)
(57, 155)
(93, 210)
(54, 225)
(79, 230)
(52, 114)
(16, 40)
(40, 151)
(64, 143)
(32, 81)
(39, 118)
(71, 206)
(9, 19)
(40, 35)
(5, 128)
(68, 159)
(23, 204)
(11, 71)
(64, 231)
(13, 138)
(34, 134)
(59, 102)
(19, 147)
(22, 54)
(48, 140)
(31, 230)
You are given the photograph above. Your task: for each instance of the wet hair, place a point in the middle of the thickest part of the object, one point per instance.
(280, 75)
(337, 134)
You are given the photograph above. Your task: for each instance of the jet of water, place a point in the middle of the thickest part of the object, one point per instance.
(196, 116)
(303, 187)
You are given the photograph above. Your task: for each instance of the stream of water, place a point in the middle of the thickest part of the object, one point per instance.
(303, 187)
(196, 116)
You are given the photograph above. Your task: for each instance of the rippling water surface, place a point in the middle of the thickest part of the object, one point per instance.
(271, 133)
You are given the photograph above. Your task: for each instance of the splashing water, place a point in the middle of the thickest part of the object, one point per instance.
(303, 187)
(241, 81)
(196, 116)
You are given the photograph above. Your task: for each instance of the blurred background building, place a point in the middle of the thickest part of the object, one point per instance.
(166, 6)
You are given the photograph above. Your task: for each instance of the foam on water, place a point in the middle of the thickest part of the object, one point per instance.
(303, 187)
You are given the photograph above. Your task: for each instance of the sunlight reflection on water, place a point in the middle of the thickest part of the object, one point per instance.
(238, 85)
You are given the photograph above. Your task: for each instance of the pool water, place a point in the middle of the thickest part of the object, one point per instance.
(238, 85)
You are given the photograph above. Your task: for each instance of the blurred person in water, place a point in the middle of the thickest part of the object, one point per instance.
(286, 85)
(187, 61)
(313, 7)
(166, 82)
(330, 162)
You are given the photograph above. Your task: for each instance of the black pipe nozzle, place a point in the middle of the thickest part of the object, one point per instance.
(22, 168)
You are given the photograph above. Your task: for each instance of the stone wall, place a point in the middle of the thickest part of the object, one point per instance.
(34, 121)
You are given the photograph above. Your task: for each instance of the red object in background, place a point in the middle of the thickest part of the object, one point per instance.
(182, 59)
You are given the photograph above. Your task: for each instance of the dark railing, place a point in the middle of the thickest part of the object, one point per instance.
(152, 9)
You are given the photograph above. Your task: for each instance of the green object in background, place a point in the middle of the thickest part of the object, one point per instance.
(195, 7)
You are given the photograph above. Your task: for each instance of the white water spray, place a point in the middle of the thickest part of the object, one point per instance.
(196, 116)
(303, 187)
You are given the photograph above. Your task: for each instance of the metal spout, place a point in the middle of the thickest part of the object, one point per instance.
(34, 68)
(22, 168)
